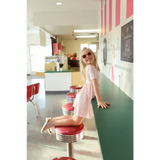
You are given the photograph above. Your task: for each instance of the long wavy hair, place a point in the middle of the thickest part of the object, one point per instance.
(83, 65)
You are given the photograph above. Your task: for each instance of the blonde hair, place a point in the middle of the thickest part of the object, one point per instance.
(83, 65)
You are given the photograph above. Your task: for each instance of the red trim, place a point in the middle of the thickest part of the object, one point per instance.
(105, 18)
(110, 15)
(71, 95)
(70, 130)
(76, 87)
(118, 12)
(68, 107)
(129, 11)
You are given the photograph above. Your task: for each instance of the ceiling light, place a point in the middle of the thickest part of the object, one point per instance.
(86, 30)
(85, 36)
(59, 3)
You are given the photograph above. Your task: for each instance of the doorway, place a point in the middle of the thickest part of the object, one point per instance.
(37, 57)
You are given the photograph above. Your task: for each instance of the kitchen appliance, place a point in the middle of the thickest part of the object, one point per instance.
(60, 60)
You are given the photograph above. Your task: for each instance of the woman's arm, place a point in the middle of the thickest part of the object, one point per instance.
(98, 96)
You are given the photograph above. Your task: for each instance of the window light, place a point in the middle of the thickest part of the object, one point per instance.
(85, 36)
(86, 30)
(59, 3)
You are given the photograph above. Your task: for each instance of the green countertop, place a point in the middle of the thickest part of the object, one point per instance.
(114, 125)
(58, 71)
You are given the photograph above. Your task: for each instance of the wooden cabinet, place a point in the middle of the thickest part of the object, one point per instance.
(76, 79)
(40, 73)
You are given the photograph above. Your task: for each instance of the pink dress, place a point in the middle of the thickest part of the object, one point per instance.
(82, 104)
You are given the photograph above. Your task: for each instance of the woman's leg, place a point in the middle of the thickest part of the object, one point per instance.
(72, 121)
(68, 121)
(62, 117)
(58, 118)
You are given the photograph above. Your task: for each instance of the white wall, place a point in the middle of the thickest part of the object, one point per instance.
(34, 39)
(122, 69)
(73, 46)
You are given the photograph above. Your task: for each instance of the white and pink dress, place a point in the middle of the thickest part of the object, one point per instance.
(82, 104)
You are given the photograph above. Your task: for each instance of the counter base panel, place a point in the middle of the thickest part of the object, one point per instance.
(58, 81)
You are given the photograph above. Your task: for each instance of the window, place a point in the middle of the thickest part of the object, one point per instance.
(38, 53)
(93, 47)
(84, 45)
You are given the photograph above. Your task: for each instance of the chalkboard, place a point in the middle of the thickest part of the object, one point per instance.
(127, 42)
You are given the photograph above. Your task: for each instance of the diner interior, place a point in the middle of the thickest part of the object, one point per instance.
(56, 34)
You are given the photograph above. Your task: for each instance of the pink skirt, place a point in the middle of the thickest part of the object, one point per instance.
(82, 104)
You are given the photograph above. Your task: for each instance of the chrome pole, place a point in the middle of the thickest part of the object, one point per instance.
(70, 150)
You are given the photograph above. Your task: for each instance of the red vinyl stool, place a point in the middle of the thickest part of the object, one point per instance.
(68, 109)
(69, 135)
(64, 158)
(75, 88)
(71, 96)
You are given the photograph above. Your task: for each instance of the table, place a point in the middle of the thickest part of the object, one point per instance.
(114, 125)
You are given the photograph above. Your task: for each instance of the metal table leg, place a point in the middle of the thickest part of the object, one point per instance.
(25, 115)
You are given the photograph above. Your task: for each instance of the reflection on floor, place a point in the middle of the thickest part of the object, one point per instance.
(45, 146)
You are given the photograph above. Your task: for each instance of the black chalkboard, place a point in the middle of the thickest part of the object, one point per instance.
(127, 42)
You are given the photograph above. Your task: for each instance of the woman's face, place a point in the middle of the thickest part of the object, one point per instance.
(87, 57)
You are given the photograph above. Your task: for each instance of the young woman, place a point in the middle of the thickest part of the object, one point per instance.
(82, 104)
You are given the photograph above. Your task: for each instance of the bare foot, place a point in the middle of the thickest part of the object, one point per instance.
(50, 131)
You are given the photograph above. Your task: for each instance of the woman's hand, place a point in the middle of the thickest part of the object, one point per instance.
(98, 96)
(103, 104)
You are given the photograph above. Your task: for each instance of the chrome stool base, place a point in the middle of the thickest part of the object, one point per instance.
(65, 112)
(74, 90)
(70, 150)
(69, 139)
(70, 100)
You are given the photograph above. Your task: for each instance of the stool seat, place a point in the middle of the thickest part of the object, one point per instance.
(69, 135)
(71, 95)
(64, 158)
(69, 130)
(68, 106)
(75, 88)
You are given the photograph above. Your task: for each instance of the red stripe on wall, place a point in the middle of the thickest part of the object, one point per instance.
(105, 18)
(101, 18)
(110, 15)
(118, 12)
(129, 8)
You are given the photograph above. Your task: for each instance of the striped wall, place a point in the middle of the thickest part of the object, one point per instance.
(111, 11)
(114, 15)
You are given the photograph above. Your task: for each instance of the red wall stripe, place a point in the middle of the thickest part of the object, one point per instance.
(105, 18)
(110, 15)
(129, 8)
(101, 18)
(118, 12)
